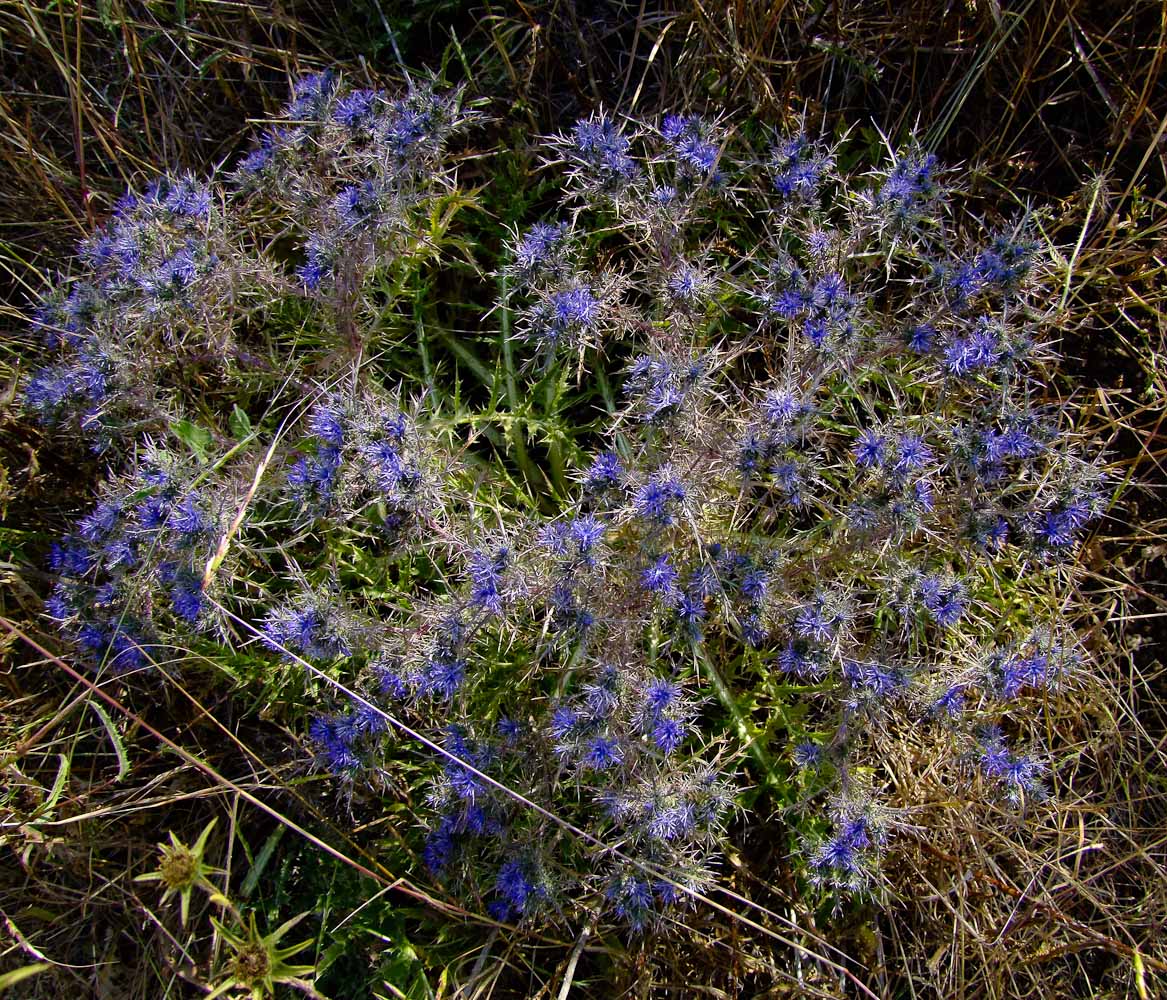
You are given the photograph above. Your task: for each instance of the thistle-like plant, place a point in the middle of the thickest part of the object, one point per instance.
(182, 869)
(257, 964)
(828, 459)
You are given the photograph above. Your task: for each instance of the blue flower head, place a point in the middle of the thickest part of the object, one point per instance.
(255, 161)
(334, 737)
(788, 304)
(660, 577)
(816, 330)
(911, 186)
(355, 109)
(127, 651)
(71, 557)
(686, 286)
(689, 138)
(310, 95)
(658, 499)
(486, 579)
(845, 860)
(675, 126)
(516, 887)
(357, 204)
(672, 822)
(605, 473)
(98, 525)
(327, 423)
(602, 753)
(798, 167)
(318, 265)
(873, 678)
(444, 676)
(1057, 526)
(911, 453)
(669, 734)
(306, 626)
(781, 406)
(407, 130)
(439, 846)
(819, 619)
(59, 605)
(807, 755)
(980, 350)
(755, 585)
(575, 308)
(1036, 672)
(1017, 775)
(540, 250)
(509, 730)
(599, 144)
(944, 600)
(921, 338)
(602, 695)
(53, 391)
(951, 703)
(661, 695)
(186, 596)
(586, 532)
(391, 682)
(631, 900)
(563, 722)
(173, 276)
(185, 197)
(189, 519)
(798, 660)
(870, 450)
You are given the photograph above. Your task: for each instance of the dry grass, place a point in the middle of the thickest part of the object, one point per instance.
(96, 97)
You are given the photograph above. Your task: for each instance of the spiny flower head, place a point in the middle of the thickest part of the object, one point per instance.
(797, 166)
(660, 498)
(911, 186)
(540, 253)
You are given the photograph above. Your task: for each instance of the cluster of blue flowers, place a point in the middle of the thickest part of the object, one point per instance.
(829, 456)
(356, 165)
(181, 268)
(832, 491)
(364, 460)
(136, 567)
(154, 275)
(847, 858)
